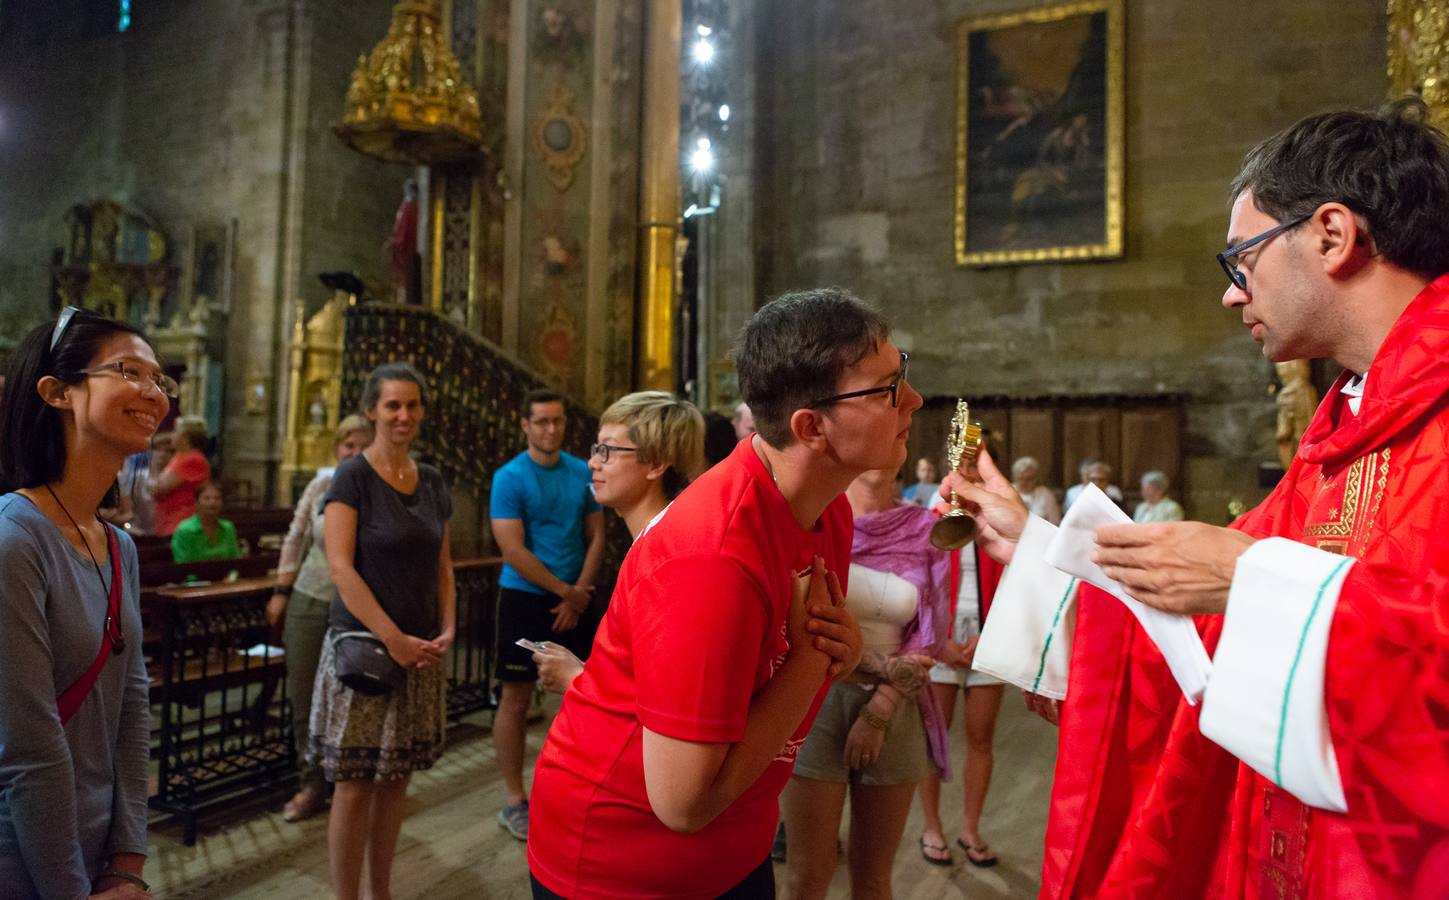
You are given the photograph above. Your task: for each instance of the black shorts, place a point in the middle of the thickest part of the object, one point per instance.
(524, 614)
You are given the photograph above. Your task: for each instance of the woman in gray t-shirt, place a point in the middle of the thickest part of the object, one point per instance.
(386, 529)
(81, 395)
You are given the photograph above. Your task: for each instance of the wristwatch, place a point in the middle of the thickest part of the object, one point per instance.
(284, 589)
(137, 880)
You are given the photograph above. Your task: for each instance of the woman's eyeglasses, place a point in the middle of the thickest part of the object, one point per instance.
(602, 451)
(138, 376)
(893, 389)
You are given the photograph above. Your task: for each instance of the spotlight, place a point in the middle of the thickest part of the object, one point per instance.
(703, 30)
(724, 112)
(703, 51)
(701, 160)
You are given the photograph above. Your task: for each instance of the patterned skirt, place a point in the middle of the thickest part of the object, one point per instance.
(383, 738)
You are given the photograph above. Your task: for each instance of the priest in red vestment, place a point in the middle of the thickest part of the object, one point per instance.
(1317, 763)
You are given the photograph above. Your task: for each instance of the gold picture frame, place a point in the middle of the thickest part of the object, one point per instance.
(1039, 135)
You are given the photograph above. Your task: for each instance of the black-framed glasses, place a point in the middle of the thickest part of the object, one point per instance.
(1228, 259)
(602, 451)
(138, 377)
(894, 389)
(61, 324)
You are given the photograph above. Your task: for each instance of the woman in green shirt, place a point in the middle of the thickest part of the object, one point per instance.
(205, 535)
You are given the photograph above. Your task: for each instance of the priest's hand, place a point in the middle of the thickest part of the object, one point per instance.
(999, 510)
(1045, 707)
(1178, 567)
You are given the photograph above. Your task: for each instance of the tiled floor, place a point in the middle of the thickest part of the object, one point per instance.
(452, 848)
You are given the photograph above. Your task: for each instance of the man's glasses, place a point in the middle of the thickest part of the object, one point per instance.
(61, 324)
(602, 451)
(1228, 259)
(893, 389)
(138, 377)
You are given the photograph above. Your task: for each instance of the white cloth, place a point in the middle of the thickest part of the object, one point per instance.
(883, 604)
(1265, 702)
(1175, 635)
(1027, 639)
(1075, 491)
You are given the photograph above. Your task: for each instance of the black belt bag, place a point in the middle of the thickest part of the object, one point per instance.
(364, 665)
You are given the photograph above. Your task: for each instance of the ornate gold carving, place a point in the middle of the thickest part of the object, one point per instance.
(314, 390)
(1418, 51)
(560, 137)
(1111, 246)
(390, 117)
(1297, 401)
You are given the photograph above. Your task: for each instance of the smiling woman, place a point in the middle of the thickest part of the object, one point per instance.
(81, 394)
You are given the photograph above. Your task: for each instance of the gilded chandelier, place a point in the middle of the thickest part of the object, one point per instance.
(408, 101)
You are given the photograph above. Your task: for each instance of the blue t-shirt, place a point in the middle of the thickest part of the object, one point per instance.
(552, 504)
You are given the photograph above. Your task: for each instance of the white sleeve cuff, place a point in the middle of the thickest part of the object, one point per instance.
(1027, 637)
(1265, 699)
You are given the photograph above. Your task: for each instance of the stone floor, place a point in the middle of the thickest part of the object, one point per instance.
(452, 848)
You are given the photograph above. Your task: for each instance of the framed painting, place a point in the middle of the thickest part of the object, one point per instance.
(1039, 135)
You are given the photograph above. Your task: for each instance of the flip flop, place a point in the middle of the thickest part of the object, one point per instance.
(972, 851)
(928, 849)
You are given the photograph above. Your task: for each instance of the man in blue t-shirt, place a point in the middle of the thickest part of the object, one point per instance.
(550, 531)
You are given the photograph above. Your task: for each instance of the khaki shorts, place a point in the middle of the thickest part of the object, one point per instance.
(904, 757)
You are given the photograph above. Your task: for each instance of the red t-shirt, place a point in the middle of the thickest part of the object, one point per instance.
(696, 626)
(173, 508)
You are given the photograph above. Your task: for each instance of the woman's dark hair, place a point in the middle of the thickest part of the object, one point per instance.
(395, 371)
(719, 437)
(32, 433)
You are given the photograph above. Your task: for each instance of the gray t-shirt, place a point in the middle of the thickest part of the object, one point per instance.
(69, 797)
(399, 538)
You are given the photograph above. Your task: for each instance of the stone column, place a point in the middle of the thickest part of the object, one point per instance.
(659, 197)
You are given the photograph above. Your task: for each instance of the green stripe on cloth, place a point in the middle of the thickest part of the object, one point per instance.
(1293, 669)
(1056, 619)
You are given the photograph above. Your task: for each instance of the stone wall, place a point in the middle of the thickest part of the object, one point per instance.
(856, 180)
(205, 112)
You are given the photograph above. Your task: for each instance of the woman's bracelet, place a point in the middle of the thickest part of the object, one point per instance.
(137, 880)
(879, 723)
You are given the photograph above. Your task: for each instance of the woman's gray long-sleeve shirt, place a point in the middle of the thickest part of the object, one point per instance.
(69, 797)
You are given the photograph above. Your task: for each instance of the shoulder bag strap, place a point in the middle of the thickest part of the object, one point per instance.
(72, 697)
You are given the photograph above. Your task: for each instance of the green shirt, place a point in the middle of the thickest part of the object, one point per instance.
(189, 542)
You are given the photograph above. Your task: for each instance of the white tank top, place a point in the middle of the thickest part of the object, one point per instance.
(884, 604)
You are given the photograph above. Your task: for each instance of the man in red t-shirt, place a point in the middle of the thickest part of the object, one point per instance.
(661, 775)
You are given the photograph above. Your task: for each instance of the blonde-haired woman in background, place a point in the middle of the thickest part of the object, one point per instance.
(299, 604)
(650, 445)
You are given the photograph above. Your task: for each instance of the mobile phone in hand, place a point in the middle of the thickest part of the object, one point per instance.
(532, 646)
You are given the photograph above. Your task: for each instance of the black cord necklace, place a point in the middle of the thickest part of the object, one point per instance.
(113, 627)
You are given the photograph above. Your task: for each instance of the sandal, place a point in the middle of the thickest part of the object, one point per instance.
(305, 804)
(944, 859)
(978, 855)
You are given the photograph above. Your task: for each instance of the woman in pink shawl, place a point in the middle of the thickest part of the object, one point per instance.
(877, 733)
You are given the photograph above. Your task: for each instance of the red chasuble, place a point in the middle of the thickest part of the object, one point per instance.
(1144, 806)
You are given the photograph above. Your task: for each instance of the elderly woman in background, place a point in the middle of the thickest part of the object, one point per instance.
(174, 488)
(650, 446)
(878, 733)
(1040, 499)
(301, 599)
(1156, 506)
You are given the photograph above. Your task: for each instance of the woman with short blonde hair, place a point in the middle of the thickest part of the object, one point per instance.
(650, 446)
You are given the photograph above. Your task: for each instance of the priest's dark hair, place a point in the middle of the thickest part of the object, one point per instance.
(794, 350)
(1391, 167)
(32, 432)
(393, 371)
